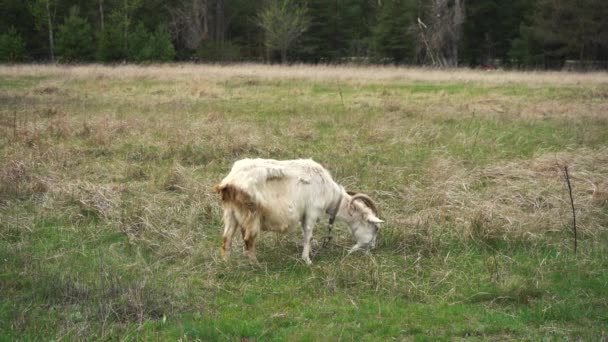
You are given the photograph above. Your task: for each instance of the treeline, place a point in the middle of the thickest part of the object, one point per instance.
(515, 33)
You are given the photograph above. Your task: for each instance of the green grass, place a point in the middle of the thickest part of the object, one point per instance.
(24, 82)
(109, 228)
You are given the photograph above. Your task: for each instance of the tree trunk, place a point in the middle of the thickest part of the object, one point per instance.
(283, 55)
(205, 18)
(219, 21)
(51, 40)
(459, 18)
(101, 15)
(126, 27)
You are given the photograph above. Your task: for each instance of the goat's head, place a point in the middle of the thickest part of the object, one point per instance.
(362, 216)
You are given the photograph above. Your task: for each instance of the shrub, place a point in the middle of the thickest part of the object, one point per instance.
(75, 38)
(162, 45)
(219, 52)
(145, 46)
(111, 46)
(12, 47)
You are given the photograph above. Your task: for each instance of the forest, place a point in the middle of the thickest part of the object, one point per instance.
(525, 34)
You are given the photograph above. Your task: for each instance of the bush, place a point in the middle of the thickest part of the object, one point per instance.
(525, 50)
(12, 47)
(75, 38)
(162, 45)
(139, 44)
(147, 47)
(219, 52)
(111, 46)
(519, 54)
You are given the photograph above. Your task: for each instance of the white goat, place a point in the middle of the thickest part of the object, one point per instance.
(266, 194)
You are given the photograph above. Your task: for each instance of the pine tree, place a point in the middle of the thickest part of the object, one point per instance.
(12, 47)
(43, 12)
(570, 30)
(75, 38)
(140, 49)
(148, 47)
(392, 35)
(338, 29)
(162, 46)
(111, 44)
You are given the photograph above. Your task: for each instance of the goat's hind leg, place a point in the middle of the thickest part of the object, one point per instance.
(250, 228)
(230, 225)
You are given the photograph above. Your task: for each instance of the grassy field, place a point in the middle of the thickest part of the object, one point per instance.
(109, 228)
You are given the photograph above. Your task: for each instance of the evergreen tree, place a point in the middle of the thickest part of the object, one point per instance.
(114, 39)
(43, 12)
(111, 46)
(122, 18)
(12, 47)
(527, 33)
(75, 38)
(244, 39)
(525, 52)
(484, 29)
(392, 36)
(162, 46)
(360, 18)
(496, 29)
(324, 41)
(16, 15)
(140, 49)
(338, 29)
(570, 30)
(148, 47)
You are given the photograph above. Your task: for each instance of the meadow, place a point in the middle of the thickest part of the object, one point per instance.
(109, 229)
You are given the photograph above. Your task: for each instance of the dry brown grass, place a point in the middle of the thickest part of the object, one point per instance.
(200, 73)
(523, 200)
(517, 200)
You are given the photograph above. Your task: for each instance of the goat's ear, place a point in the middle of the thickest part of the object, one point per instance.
(374, 219)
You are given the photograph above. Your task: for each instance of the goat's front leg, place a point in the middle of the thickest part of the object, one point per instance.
(354, 248)
(307, 228)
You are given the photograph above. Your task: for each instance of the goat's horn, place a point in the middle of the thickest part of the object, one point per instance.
(367, 200)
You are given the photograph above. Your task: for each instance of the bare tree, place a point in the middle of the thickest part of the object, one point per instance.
(439, 38)
(283, 21)
(50, 23)
(220, 23)
(101, 19)
(190, 23)
(43, 12)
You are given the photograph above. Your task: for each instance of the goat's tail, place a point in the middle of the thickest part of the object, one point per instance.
(231, 194)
